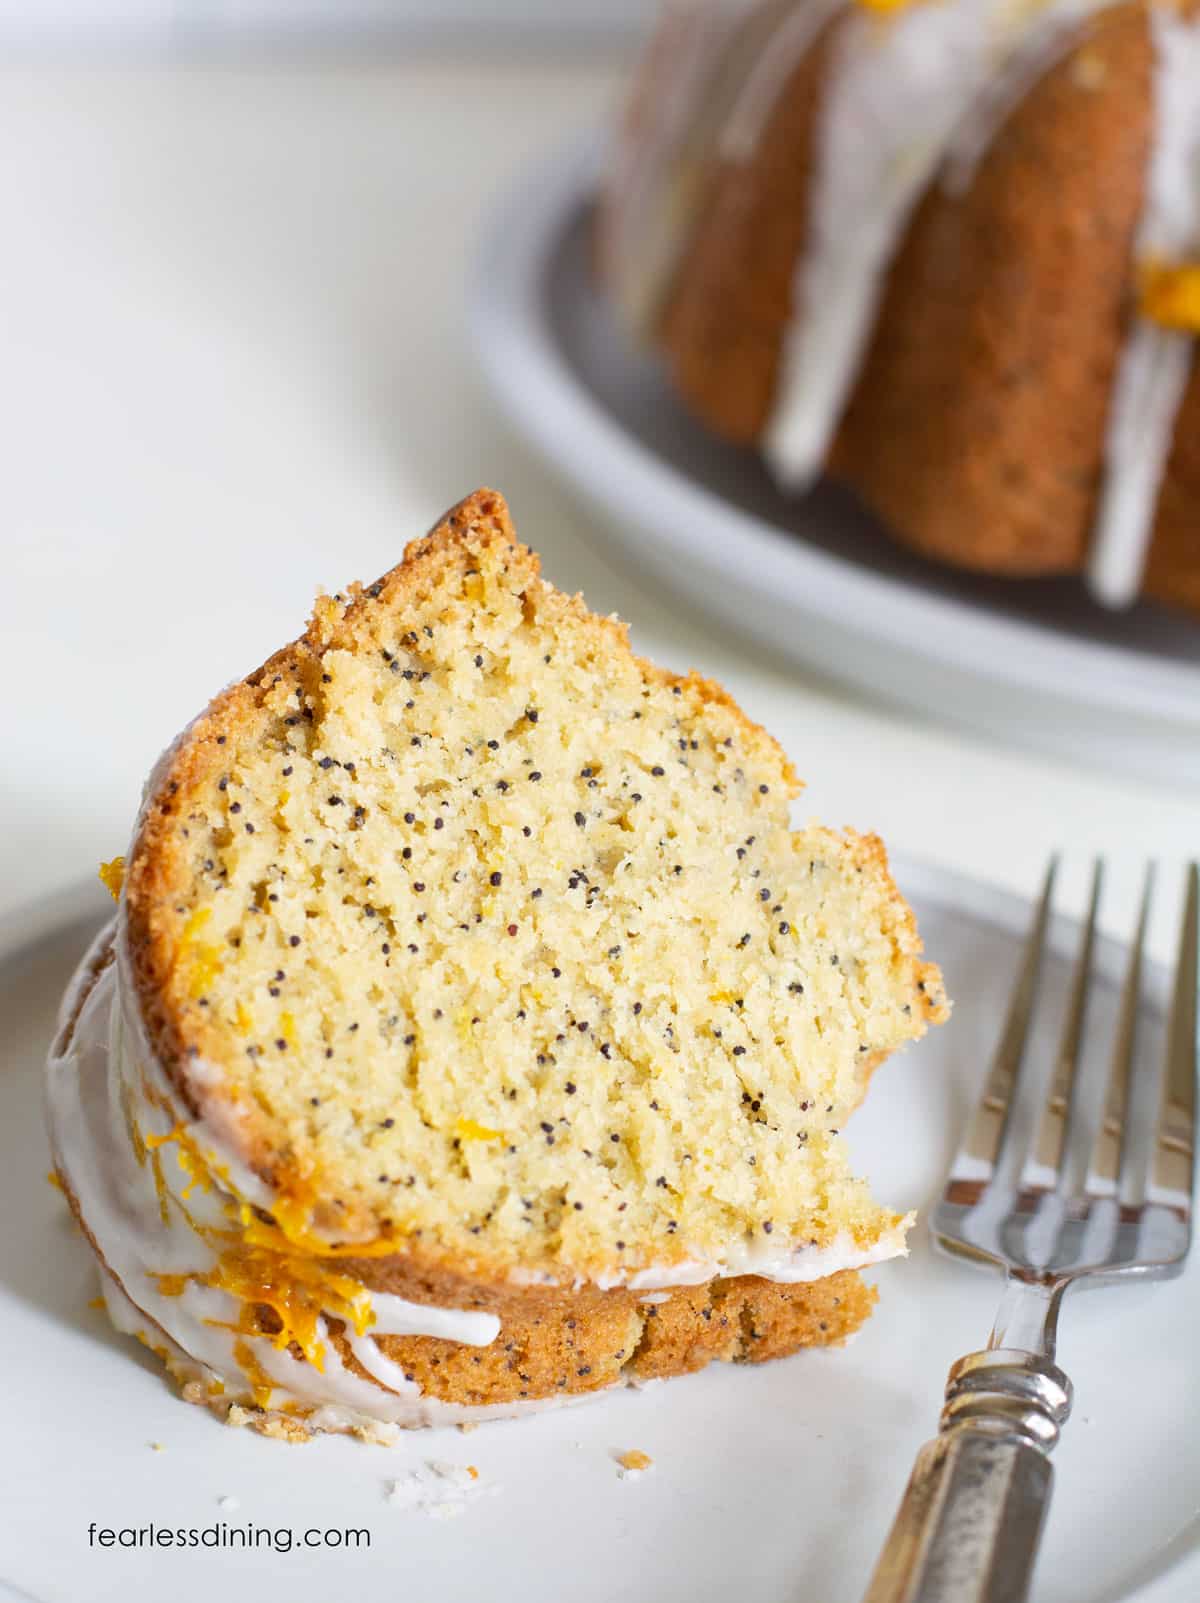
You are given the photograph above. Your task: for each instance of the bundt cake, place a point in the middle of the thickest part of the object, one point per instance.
(473, 1032)
(947, 251)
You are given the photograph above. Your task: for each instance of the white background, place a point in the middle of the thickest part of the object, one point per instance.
(183, 25)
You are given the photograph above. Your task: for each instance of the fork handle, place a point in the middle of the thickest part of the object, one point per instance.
(968, 1527)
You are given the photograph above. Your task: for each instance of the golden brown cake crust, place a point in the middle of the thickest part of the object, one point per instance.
(589, 1342)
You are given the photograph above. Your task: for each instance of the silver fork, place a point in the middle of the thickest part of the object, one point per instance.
(968, 1527)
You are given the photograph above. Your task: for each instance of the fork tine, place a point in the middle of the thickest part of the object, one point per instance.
(1171, 1171)
(1104, 1166)
(981, 1148)
(1043, 1167)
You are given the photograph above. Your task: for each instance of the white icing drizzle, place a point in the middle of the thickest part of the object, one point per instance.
(1153, 370)
(394, 1316)
(898, 89)
(1053, 31)
(378, 1365)
(789, 1266)
(715, 71)
(786, 1265)
(644, 224)
(768, 76)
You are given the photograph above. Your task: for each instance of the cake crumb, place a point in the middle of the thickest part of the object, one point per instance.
(157, 1447)
(440, 1490)
(377, 1432)
(466, 1426)
(633, 1464)
(282, 1428)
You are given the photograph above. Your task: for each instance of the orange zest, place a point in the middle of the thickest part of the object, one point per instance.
(262, 1260)
(112, 876)
(260, 1381)
(287, 1230)
(188, 1156)
(288, 1227)
(469, 1130)
(205, 957)
(171, 1285)
(1169, 294)
(298, 1291)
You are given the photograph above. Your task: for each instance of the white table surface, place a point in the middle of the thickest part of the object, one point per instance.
(234, 368)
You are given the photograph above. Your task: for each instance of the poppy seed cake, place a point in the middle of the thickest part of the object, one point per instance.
(473, 988)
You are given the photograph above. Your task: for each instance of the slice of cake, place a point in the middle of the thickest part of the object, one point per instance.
(474, 1032)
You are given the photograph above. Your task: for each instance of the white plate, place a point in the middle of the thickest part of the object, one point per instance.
(769, 1483)
(816, 578)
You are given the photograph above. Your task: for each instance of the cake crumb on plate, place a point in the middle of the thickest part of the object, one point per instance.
(633, 1464)
(440, 1490)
